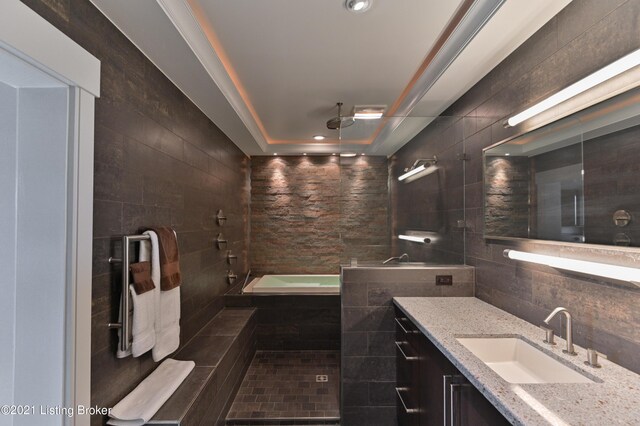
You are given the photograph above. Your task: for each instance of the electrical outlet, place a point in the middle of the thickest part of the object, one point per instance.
(444, 279)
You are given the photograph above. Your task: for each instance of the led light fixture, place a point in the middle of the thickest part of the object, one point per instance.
(621, 273)
(358, 6)
(613, 69)
(419, 169)
(368, 112)
(347, 154)
(319, 137)
(414, 239)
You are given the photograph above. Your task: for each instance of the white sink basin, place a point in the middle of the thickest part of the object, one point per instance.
(517, 361)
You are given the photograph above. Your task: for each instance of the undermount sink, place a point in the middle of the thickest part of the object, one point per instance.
(516, 361)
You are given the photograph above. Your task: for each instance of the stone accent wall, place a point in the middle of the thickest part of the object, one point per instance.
(311, 213)
(158, 161)
(506, 208)
(582, 38)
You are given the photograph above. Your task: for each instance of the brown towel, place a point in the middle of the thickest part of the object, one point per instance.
(142, 281)
(169, 258)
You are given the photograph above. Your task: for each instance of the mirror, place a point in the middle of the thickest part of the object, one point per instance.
(575, 180)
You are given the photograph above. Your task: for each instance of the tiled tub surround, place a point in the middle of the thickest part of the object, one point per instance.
(612, 399)
(307, 212)
(582, 38)
(368, 366)
(158, 161)
(292, 322)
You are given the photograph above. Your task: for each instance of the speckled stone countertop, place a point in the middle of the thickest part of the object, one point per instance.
(614, 399)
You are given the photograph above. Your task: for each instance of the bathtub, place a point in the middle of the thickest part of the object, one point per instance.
(294, 284)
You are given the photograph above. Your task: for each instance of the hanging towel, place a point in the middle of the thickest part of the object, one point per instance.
(145, 305)
(167, 321)
(169, 258)
(142, 281)
(145, 400)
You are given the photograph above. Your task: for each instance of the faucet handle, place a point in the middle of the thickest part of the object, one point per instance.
(549, 338)
(592, 358)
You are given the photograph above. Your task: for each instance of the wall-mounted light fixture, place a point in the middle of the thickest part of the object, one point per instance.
(621, 273)
(420, 168)
(613, 69)
(415, 239)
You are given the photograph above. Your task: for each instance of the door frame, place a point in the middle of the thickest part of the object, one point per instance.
(30, 37)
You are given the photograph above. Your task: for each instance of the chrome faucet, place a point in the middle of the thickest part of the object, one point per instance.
(403, 256)
(569, 337)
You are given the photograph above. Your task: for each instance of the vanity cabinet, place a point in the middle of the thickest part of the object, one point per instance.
(429, 388)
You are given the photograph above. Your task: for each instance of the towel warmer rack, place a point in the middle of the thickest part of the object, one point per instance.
(124, 326)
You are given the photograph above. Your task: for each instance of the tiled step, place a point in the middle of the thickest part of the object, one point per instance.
(222, 351)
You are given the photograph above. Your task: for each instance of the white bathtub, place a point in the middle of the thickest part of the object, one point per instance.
(294, 284)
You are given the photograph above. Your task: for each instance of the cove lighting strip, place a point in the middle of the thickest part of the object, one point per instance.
(613, 69)
(414, 239)
(621, 273)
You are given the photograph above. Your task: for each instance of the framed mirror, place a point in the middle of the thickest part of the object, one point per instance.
(575, 180)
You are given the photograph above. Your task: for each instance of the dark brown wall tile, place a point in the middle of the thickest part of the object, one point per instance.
(582, 38)
(153, 150)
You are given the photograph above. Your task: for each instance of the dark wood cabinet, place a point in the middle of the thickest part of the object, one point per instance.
(430, 389)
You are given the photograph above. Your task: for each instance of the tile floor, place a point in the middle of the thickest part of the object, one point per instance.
(280, 387)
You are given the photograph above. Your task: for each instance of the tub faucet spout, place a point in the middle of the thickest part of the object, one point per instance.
(404, 257)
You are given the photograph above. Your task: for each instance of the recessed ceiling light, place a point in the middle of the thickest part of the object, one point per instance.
(304, 153)
(358, 6)
(347, 154)
(333, 153)
(319, 137)
(275, 153)
(362, 153)
(507, 154)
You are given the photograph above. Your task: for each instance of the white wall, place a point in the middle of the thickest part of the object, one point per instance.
(8, 135)
(34, 222)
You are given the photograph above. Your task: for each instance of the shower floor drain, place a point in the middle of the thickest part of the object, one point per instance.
(322, 378)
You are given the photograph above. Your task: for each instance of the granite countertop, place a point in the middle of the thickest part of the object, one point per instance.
(614, 399)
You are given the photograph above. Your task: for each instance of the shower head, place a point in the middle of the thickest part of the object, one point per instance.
(339, 122)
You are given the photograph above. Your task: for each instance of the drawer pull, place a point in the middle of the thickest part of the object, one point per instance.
(404, 406)
(398, 320)
(406, 357)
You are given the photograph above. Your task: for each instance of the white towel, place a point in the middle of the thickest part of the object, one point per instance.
(145, 400)
(145, 306)
(167, 322)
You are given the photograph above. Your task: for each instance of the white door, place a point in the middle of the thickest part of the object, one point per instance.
(48, 86)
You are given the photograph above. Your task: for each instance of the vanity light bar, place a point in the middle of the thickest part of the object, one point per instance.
(414, 239)
(621, 273)
(613, 69)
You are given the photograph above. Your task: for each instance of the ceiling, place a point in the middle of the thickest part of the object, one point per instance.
(269, 73)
